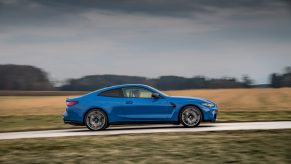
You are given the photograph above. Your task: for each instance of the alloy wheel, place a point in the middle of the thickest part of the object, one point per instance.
(191, 117)
(96, 120)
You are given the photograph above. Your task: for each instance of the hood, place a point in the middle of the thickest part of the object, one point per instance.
(190, 98)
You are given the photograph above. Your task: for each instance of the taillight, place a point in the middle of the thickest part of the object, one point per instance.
(71, 103)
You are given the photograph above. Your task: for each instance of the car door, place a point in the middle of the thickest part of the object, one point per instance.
(139, 105)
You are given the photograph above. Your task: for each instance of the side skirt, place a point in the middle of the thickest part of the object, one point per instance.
(143, 122)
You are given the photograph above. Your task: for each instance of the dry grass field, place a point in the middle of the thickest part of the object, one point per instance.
(32, 105)
(45, 112)
(231, 100)
(257, 147)
(228, 100)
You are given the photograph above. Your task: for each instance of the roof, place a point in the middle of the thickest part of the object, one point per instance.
(122, 85)
(130, 85)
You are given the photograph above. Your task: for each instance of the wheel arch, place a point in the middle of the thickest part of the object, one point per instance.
(187, 106)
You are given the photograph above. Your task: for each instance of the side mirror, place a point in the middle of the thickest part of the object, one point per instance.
(156, 95)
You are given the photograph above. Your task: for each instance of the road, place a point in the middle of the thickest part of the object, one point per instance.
(148, 129)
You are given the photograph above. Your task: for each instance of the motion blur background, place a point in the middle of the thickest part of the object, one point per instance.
(236, 53)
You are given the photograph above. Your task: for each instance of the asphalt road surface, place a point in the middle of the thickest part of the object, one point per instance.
(148, 129)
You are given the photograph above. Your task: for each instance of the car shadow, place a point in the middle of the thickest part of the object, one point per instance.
(118, 128)
(154, 127)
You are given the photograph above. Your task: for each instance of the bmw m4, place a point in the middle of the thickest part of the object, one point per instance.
(136, 103)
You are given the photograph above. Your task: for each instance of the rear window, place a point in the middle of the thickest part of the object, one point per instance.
(112, 93)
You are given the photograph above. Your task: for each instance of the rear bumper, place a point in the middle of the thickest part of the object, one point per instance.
(73, 122)
(67, 120)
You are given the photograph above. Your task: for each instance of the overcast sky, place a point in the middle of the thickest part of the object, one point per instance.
(215, 38)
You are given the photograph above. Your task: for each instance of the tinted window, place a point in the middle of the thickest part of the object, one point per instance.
(137, 92)
(112, 93)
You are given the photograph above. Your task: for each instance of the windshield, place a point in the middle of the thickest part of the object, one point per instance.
(158, 91)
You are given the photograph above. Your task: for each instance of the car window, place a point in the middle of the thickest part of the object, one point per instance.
(137, 92)
(112, 93)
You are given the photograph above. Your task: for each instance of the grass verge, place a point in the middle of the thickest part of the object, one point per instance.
(272, 146)
(27, 122)
(41, 122)
(243, 116)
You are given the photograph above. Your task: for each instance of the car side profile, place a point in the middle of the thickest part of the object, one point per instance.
(136, 103)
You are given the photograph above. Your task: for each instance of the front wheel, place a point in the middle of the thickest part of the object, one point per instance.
(190, 116)
(96, 120)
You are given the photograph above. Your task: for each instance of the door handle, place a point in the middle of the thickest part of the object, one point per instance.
(129, 102)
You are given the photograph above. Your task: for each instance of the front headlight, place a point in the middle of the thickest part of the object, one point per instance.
(209, 105)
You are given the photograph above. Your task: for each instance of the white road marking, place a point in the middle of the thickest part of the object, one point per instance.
(148, 129)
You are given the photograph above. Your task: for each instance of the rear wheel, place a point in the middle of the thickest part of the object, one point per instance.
(190, 116)
(96, 120)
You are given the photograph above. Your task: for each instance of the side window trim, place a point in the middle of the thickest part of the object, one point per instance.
(122, 96)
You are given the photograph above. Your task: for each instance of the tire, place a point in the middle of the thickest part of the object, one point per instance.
(96, 120)
(190, 116)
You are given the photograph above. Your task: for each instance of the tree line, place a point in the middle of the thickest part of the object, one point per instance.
(164, 82)
(24, 77)
(281, 80)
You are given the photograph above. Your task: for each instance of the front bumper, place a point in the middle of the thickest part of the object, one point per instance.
(210, 114)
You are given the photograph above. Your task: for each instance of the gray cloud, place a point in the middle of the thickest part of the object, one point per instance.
(43, 12)
(179, 8)
(158, 7)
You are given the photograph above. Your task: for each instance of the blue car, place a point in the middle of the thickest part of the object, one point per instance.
(136, 103)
